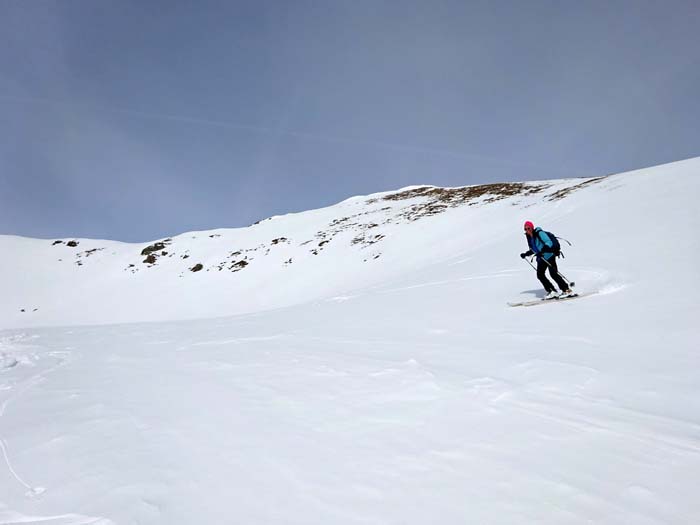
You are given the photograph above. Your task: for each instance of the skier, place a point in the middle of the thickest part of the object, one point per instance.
(541, 245)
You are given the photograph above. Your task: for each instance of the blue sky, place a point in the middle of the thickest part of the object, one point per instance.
(134, 120)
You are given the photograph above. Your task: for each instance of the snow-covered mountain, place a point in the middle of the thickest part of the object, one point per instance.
(359, 364)
(319, 254)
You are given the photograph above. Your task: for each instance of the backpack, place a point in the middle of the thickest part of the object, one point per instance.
(556, 247)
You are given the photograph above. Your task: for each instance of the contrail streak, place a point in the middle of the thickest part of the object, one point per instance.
(292, 133)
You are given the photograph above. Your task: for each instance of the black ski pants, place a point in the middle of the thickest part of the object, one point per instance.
(553, 272)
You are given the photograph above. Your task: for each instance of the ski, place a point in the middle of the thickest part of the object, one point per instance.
(536, 302)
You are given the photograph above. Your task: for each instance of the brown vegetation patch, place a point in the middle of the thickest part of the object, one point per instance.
(438, 200)
(367, 240)
(560, 194)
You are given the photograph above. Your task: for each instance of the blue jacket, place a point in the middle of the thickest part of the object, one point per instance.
(540, 244)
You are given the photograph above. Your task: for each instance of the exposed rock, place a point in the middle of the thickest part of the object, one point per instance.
(156, 247)
(237, 266)
(72, 244)
(367, 240)
(56, 242)
(566, 191)
(439, 200)
(88, 253)
(151, 259)
(197, 267)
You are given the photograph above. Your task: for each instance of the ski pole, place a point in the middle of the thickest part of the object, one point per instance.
(528, 262)
(570, 283)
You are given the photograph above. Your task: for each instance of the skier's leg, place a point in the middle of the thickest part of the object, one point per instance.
(541, 269)
(554, 272)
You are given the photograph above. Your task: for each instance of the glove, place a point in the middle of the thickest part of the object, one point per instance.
(523, 255)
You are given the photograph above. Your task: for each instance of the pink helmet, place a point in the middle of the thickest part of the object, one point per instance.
(529, 224)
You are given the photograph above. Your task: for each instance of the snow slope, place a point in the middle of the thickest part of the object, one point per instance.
(381, 380)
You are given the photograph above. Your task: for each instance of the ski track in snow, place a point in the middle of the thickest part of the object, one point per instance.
(15, 392)
(13, 518)
(12, 346)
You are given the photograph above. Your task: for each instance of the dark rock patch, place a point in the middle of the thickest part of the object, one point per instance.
(156, 247)
(72, 244)
(197, 267)
(150, 251)
(238, 266)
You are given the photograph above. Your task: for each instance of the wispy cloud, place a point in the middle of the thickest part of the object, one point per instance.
(281, 131)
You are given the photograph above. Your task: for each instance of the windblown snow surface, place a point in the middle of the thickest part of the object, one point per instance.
(359, 364)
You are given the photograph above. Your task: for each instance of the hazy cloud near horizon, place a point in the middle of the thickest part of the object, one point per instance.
(136, 120)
